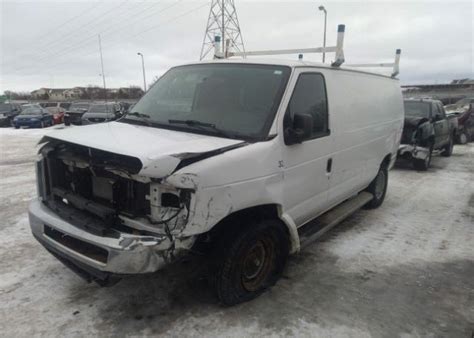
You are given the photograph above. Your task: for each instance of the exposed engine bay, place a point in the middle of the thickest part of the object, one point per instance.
(100, 192)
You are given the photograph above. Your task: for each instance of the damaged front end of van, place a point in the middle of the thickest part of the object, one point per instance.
(106, 214)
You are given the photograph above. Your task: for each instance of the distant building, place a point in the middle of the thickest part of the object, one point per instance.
(74, 93)
(57, 94)
(40, 94)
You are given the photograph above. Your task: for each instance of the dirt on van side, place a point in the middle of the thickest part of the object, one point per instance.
(406, 268)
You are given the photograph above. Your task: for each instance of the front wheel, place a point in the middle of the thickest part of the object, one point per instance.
(378, 188)
(251, 261)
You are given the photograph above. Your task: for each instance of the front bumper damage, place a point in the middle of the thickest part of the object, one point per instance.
(408, 151)
(97, 258)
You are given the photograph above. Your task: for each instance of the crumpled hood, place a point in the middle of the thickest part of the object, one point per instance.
(159, 150)
(456, 109)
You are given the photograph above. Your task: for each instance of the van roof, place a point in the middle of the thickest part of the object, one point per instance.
(288, 63)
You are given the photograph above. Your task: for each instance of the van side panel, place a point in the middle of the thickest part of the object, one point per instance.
(366, 123)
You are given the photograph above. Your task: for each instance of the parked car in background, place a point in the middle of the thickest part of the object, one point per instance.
(64, 105)
(58, 114)
(126, 106)
(33, 117)
(30, 105)
(464, 112)
(8, 111)
(426, 128)
(74, 113)
(102, 112)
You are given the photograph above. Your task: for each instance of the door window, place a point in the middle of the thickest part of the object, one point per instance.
(309, 97)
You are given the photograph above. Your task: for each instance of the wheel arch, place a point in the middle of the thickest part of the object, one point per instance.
(232, 223)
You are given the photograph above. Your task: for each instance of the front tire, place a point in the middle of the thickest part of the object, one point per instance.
(251, 261)
(463, 138)
(378, 188)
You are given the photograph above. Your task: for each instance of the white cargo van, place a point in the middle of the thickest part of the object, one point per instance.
(233, 158)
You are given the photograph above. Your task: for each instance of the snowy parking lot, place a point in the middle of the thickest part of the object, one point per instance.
(406, 268)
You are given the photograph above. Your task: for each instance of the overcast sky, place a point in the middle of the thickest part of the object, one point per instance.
(55, 44)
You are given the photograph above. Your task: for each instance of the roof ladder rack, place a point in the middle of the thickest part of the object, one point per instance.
(338, 50)
(395, 65)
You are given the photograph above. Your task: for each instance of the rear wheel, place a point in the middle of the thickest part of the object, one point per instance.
(378, 188)
(448, 149)
(251, 261)
(463, 138)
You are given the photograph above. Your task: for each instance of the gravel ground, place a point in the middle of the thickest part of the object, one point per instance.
(405, 269)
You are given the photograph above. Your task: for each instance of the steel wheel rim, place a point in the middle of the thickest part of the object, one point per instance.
(256, 264)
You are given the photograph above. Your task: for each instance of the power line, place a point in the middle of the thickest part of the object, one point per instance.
(94, 21)
(194, 9)
(90, 39)
(66, 34)
(68, 21)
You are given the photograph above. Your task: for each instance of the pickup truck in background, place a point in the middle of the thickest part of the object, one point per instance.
(463, 110)
(427, 128)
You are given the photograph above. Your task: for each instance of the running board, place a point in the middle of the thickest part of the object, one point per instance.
(314, 229)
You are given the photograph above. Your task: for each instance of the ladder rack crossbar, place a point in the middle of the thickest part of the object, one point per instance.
(284, 51)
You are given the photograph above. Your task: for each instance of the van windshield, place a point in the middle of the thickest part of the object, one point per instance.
(236, 99)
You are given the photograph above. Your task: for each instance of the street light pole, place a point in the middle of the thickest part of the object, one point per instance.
(143, 67)
(321, 8)
(102, 66)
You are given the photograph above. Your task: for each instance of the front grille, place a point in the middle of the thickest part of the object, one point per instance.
(84, 248)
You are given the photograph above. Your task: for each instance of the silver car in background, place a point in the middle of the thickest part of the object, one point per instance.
(102, 112)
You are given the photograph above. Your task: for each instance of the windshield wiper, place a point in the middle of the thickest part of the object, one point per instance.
(196, 123)
(143, 117)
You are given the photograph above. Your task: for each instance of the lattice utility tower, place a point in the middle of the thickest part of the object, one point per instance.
(224, 24)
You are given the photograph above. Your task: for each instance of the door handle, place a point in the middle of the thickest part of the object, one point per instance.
(329, 165)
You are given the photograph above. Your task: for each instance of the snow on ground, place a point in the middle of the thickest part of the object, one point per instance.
(406, 268)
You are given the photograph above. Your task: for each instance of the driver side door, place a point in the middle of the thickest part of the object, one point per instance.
(307, 165)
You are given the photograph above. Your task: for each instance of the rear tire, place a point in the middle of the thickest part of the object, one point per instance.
(378, 188)
(448, 149)
(463, 138)
(250, 261)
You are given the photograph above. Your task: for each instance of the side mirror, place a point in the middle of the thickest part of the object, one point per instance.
(301, 129)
